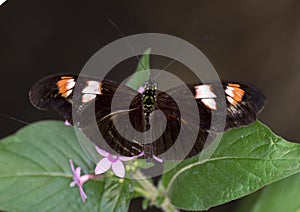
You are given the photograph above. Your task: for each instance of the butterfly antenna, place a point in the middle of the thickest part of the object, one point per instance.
(170, 63)
(178, 56)
(15, 119)
(155, 77)
(26, 123)
(21, 121)
(129, 44)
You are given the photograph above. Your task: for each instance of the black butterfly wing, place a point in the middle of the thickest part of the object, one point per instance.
(54, 92)
(57, 92)
(98, 121)
(179, 140)
(241, 104)
(128, 143)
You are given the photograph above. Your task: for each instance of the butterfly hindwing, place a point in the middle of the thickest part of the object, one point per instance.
(106, 121)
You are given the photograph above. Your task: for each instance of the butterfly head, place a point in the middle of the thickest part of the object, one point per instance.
(150, 85)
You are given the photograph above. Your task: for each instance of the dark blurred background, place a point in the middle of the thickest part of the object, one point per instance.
(252, 41)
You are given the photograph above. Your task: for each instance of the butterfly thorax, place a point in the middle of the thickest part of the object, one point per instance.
(149, 98)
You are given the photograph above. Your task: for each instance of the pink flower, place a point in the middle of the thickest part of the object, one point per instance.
(67, 123)
(79, 180)
(141, 89)
(157, 159)
(113, 161)
(154, 157)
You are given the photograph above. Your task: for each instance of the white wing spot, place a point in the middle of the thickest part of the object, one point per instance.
(204, 91)
(231, 100)
(93, 87)
(68, 93)
(70, 84)
(88, 97)
(229, 91)
(210, 103)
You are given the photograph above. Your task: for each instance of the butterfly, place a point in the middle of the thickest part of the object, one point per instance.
(242, 103)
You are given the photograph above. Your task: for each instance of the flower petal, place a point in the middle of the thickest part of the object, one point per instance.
(118, 168)
(102, 152)
(141, 154)
(158, 159)
(72, 166)
(73, 183)
(77, 172)
(82, 194)
(84, 178)
(123, 158)
(141, 89)
(103, 165)
(67, 123)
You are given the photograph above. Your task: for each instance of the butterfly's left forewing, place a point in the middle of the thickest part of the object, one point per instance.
(57, 92)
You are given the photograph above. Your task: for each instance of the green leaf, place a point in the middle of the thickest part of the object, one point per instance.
(35, 171)
(278, 197)
(245, 160)
(142, 72)
(117, 195)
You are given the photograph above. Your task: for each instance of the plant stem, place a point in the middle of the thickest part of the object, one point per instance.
(168, 207)
(150, 192)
